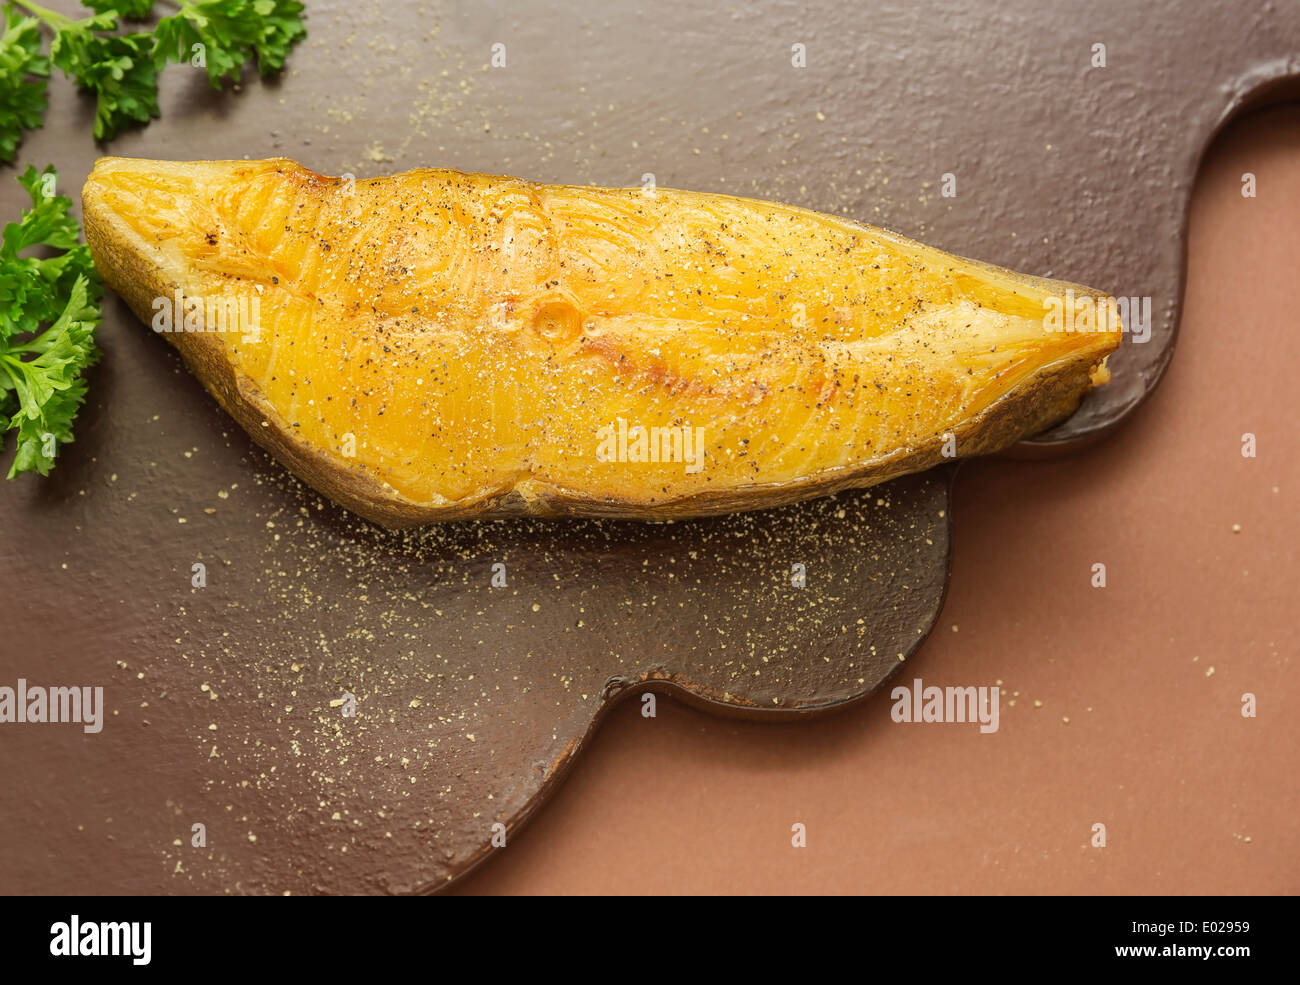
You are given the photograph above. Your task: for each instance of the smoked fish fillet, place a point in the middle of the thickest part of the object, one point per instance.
(439, 345)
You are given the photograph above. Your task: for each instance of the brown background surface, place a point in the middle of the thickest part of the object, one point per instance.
(1195, 798)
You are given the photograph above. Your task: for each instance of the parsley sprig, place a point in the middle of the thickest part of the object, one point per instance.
(23, 71)
(231, 32)
(48, 312)
(121, 68)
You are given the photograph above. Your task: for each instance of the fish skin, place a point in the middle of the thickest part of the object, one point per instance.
(473, 332)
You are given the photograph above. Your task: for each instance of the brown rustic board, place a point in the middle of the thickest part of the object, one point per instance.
(471, 701)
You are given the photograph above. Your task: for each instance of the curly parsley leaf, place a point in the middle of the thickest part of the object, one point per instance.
(131, 10)
(41, 368)
(23, 72)
(220, 36)
(119, 69)
(227, 33)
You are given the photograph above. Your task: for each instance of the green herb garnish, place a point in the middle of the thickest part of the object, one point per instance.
(121, 69)
(23, 70)
(48, 313)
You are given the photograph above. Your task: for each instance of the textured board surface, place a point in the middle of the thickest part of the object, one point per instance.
(471, 701)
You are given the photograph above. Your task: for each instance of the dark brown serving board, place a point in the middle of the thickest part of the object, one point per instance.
(472, 700)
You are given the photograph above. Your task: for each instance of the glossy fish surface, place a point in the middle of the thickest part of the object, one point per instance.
(439, 345)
